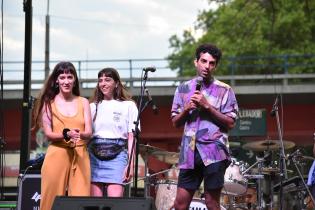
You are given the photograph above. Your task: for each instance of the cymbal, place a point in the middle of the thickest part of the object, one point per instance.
(167, 157)
(148, 149)
(266, 170)
(268, 145)
(269, 170)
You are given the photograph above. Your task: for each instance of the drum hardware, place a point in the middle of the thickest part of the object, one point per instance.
(282, 145)
(267, 170)
(146, 150)
(297, 154)
(259, 176)
(253, 176)
(259, 160)
(233, 204)
(293, 157)
(160, 154)
(291, 185)
(264, 145)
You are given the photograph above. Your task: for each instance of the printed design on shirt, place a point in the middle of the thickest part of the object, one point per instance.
(117, 116)
(184, 88)
(213, 100)
(192, 143)
(184, 148)
(200, 133)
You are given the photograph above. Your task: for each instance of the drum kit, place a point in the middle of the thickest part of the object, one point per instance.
(245, 186)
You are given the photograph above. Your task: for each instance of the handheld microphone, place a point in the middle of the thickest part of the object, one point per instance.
(154, 107)
(151, 69)
(198, 83)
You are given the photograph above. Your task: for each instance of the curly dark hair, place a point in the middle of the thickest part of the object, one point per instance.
(211, 49)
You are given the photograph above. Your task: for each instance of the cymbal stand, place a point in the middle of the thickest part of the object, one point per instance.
(301, 176)
(146, 179)
(2, 165)
(259, 176)
(283, 170)
(259, 184)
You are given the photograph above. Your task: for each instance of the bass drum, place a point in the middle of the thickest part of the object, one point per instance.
(199, 204)
(234, 182)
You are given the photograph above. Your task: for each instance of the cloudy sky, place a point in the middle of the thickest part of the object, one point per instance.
(99, 29)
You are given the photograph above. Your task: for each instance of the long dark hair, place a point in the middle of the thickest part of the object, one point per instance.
(51, 89)
(120, 92)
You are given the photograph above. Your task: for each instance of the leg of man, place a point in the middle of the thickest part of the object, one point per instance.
(183, 198)
(212, 198)
(213, 183)
(189, 181)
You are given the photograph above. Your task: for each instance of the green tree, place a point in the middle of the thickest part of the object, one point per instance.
(248, 29)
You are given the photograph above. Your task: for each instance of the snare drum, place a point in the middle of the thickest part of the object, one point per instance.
(165, 194)
(199, 204)
(234, 182)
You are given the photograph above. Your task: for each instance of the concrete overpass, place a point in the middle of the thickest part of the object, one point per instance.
(252, 91)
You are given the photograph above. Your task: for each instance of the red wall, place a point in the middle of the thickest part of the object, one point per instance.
(298, 125)
(157, 130)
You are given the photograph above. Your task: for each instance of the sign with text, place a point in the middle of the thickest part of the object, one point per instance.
(250, 122)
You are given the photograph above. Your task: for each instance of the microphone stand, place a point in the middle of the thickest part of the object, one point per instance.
(2, 157)
(283, 170)
(301, 176)
(136, 132)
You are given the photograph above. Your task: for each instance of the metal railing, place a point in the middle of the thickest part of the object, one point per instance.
(237, 71)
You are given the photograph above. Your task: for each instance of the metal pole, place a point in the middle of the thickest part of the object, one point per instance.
(26, 105)
(47, 42)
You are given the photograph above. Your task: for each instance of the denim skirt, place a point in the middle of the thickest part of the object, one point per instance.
(109, 171)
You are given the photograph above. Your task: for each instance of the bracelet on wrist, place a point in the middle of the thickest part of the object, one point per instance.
(65, 134)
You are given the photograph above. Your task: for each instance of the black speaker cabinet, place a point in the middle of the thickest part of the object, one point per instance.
(29, 192)
(98, 203)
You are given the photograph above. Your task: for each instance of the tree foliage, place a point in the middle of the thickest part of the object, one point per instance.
(245, 29)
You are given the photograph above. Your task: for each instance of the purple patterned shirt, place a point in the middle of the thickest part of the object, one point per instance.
(200, 131)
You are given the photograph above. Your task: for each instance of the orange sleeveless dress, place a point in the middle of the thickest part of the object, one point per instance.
(66, 167)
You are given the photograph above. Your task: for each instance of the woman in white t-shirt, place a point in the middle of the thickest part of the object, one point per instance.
(113, 113)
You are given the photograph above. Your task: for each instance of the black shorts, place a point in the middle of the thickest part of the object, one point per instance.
(213, 175)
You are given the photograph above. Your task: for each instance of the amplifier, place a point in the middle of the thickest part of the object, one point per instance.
(99, 203)
(29, 192)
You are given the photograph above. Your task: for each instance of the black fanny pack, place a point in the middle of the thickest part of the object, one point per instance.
(107, 149)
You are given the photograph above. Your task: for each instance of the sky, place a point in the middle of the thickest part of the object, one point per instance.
(99, 29)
